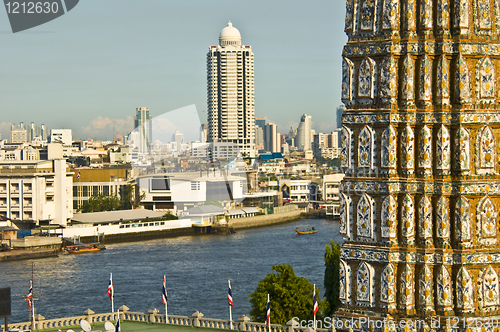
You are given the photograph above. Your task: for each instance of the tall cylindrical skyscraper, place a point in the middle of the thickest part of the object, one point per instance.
(230, 92)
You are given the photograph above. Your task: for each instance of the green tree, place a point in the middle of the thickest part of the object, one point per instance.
(101, 202)
(290, 296)
(331, 282)
(131, 198)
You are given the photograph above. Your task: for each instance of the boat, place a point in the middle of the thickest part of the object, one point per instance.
(306, 230)
(84, 247)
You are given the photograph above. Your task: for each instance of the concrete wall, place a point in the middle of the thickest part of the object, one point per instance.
(37, 242)
(265, 220)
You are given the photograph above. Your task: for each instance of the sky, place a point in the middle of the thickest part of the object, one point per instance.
(89, 69)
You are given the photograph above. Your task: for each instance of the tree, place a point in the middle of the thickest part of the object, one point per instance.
(101, 202)
(331, 282)
(290, 296)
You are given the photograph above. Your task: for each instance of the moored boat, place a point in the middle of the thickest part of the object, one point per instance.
(306, 230)
(84, 247)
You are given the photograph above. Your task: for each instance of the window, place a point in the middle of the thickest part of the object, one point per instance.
(160, 184)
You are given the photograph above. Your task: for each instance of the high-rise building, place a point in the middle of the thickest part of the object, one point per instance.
(420, 200)
(304, 133)
(18, 134)
(271, 139)
(230, 93)
(144, 128)
(340, 111)
(44, 132)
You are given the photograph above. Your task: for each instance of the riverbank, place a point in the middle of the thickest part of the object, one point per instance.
(20, 254)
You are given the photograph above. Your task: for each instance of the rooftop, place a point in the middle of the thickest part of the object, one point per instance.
(115, 216)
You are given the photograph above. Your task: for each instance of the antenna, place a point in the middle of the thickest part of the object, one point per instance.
(85, 325)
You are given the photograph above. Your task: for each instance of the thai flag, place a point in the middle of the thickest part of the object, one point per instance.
(78, 175)
(230, 295)
(268, 312)
(117, 327)
(29, 298)
(164, 291)
(111, 291)
(315, 302)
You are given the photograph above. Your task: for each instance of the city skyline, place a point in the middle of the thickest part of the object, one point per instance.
(91, 77)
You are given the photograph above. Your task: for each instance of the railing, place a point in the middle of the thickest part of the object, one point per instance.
(242, 324)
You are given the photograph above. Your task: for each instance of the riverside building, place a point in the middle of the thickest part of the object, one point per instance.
(230, 92)
(420, 149)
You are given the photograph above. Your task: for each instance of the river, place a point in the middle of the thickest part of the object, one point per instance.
(197, 270)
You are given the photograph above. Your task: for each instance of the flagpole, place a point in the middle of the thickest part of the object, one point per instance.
(230, 313)
(32, 300)
(268, 320)
(314, 309)
(112, 293)
(166, 301)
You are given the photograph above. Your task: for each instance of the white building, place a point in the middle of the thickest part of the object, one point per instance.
(304, 133)
(36, 191)
(230, 93)
(18, 134)
(178, 191)
(64, 136)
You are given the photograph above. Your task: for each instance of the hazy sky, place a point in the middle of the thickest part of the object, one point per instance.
(89, 69)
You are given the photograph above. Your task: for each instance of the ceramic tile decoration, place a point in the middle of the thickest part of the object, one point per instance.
(388, 285)
(391, 15)
(365, 148)
(389, 148)
(425, 148)
(443, 149)
(368, 15)
(420, 148)
(365, 216)
(443, 80)
(443, 14)
(425, 78)
(425, 220)
(464, 290)
(484, 14)
(389, 217)
(490, 287)
(462, 219)
(426, 289)
(366, 78)
(364, 283)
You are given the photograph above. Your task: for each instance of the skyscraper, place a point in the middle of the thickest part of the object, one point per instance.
(304, 133)
(18, 134)
(143, 127)
(420, 200)
(230, 92)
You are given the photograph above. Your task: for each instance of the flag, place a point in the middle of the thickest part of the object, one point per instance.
(230, 295)
(78, 175)
(117, 327)
(111, 291)
(164, 291)
(315, 302)
(268, 312)
(29, 298)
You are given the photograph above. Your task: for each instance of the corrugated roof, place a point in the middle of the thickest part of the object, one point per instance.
(204, 209)
(236, 212)
(115, 216)
(250, 210)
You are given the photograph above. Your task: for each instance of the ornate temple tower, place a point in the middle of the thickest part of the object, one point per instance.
(420, 149)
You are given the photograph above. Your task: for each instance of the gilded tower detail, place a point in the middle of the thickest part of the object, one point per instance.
(420, 149)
